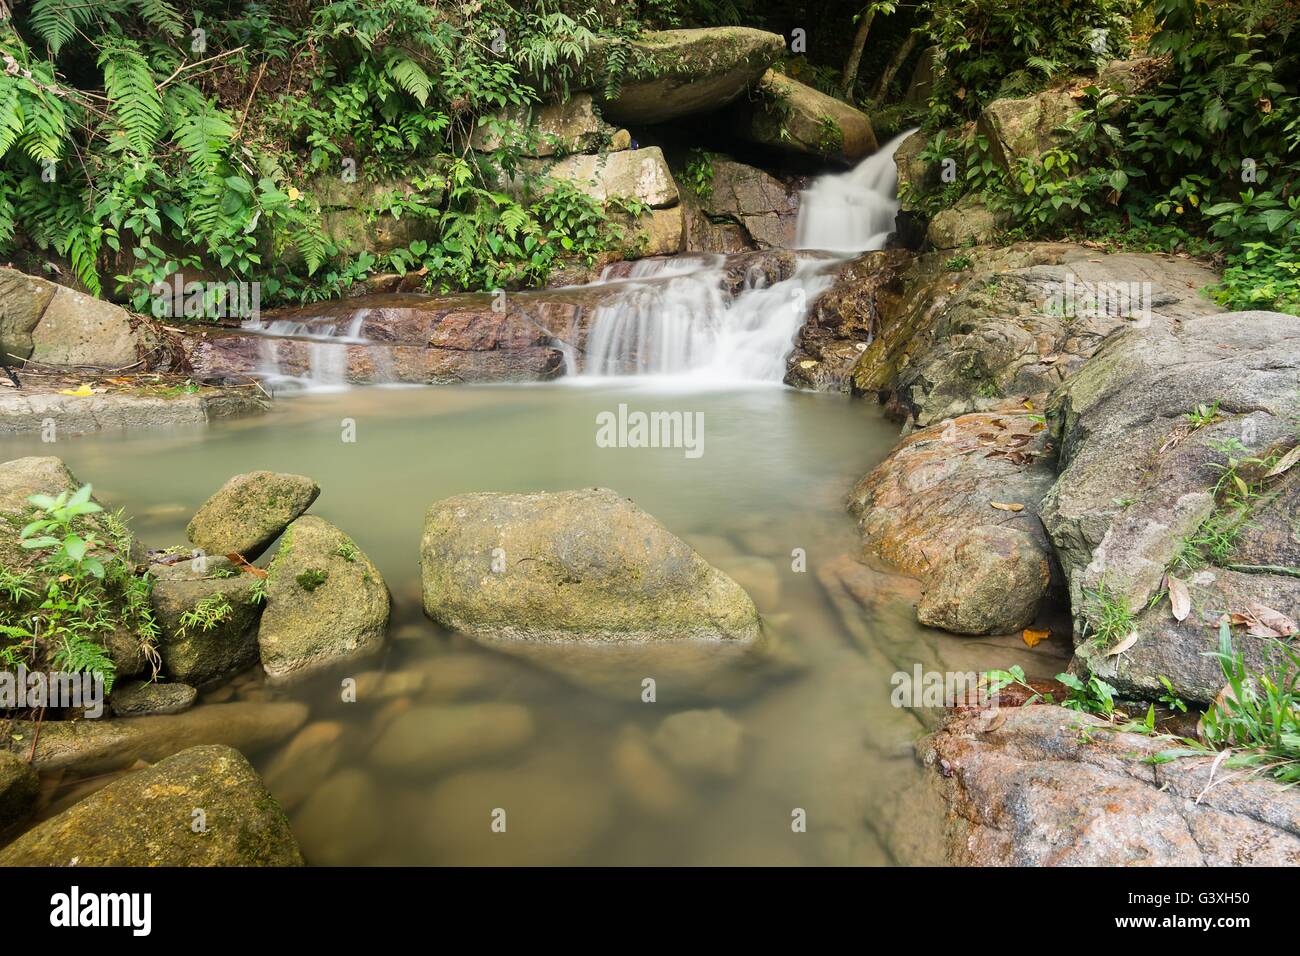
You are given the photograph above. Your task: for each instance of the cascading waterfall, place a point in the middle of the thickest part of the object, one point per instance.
(680, 321)
(327, 351)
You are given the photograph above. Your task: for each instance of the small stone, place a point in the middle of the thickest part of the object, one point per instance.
(138, 698)
(342, 820)
(707, 743)
(433, 738)
(305, 762)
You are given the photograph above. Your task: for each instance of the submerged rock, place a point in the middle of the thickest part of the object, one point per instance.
(100, 746)
(1032, 788)
(250, 511)
(585, 566)
(342, 820)
(325, 603)
(790, 117)
(141, 698)
(146, 819)
(428, 740)
(19, 787)
(302, 765)
(705, 743)
(674, 73)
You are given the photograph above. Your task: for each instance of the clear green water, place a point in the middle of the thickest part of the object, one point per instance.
(591, 786)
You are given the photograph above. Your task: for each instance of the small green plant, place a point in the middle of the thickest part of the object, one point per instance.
(959, 263)
(998, 680)
(257, 594)
(1203, 415)
(1255, 721)
(830, 138)
(53, 530)
(207, 613)
(1107, 618)
(1093, 696)
(312, 578)
(348, 551)
(699, 173)
(1169, 698)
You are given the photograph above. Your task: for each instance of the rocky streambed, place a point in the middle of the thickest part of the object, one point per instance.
(1061, 474)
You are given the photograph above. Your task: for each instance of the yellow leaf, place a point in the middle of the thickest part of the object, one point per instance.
(294, 194)
(81, 390)
(1034, 638)
(1004, 506)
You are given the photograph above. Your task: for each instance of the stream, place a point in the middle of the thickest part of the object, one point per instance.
(819, 735)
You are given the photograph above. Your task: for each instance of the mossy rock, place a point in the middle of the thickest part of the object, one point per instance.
(584, 566)
(148, 819)
(193, 655)
(676, 73)
(249, 512)
(326, 603)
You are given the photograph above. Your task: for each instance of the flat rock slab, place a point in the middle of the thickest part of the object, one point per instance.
(1045, 786)
(142, 698)
(29, 410)
(146, 819)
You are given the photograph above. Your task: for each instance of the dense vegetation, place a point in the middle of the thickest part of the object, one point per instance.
(139, 137)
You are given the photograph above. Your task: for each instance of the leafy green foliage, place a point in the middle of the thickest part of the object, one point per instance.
(132, 153)
(77, 588)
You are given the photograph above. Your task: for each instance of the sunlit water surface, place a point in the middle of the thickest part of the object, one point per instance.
(820, 736)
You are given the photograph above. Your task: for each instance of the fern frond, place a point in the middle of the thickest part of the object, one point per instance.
(409, 76)
(162, 16)
(203, 135)
(132, 94)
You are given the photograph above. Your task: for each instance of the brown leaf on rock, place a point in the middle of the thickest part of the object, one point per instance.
(1179, 597)
(1275, 621)
(1123, 645)
(1004, 506)
(1284, 463)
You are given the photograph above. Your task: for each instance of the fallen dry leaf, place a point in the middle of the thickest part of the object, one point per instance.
(1284, 463)
(1179, 598)
(1123, 645)
(244, 565)
(1034, 638)
(1003, 506)
(1276, 621)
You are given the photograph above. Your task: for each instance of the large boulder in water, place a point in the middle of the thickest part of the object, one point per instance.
(787, 116)
(146, 819)
(250, 511)
(674, 73)
(586, 566)
(325, 603)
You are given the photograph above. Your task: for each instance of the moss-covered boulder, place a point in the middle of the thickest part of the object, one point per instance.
(787, 116)
(205, 806)
(557, 127)
(585, 566)
(250, 511)
(207, 619)
(18, 789)
(325, 603)
(142, 698)
(1026, 127)
(674, 73)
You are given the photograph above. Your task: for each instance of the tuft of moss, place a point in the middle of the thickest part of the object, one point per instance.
(312, 578)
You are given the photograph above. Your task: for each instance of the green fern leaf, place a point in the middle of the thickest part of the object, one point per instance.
(409, 76)
(132, 95)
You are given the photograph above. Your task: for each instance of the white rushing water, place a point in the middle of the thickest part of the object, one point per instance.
(686, 325)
